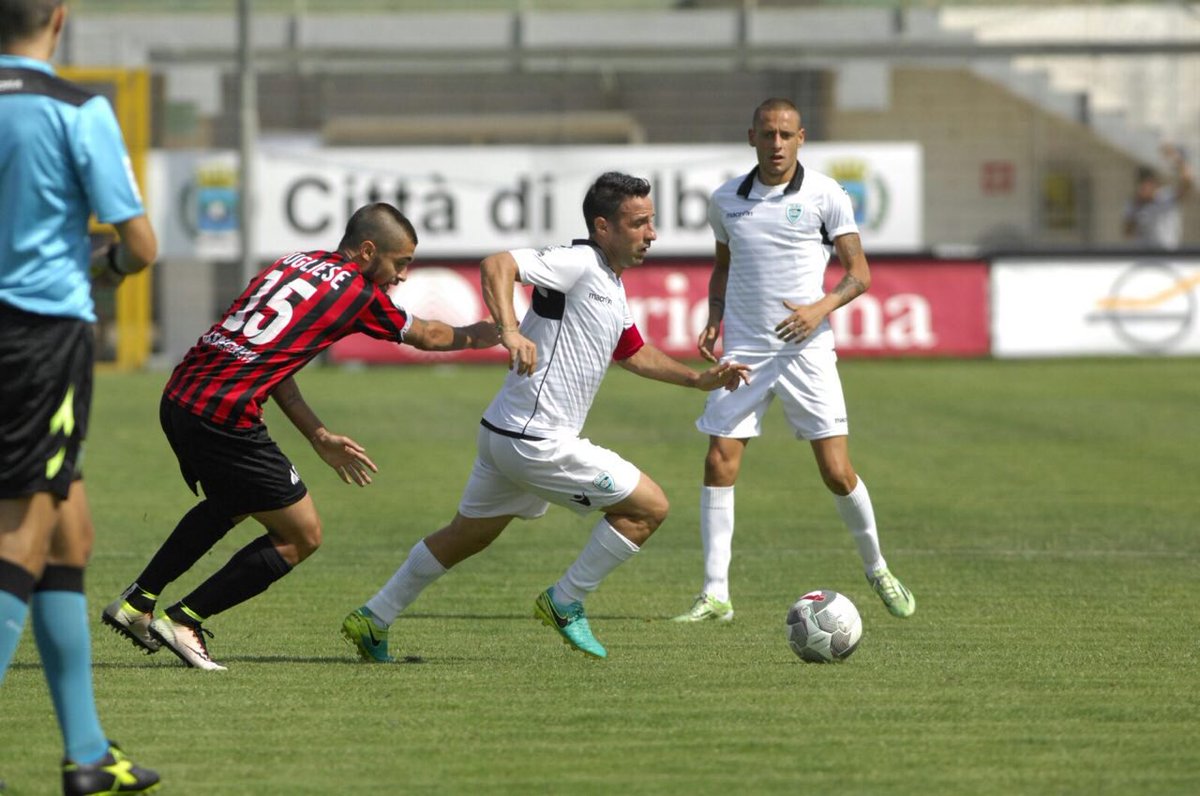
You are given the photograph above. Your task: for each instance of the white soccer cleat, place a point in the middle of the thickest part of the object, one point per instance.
(131, 623)
(186, 641)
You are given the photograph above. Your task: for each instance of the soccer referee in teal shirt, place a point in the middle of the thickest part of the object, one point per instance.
(61, 159)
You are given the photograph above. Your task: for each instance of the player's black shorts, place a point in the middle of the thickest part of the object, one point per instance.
(45, 397)
(242, 471)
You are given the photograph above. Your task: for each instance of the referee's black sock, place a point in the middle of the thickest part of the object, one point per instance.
(250, 572)
(195, 535)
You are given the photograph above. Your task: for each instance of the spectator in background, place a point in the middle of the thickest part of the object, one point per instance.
(62, 158)
(1152, 216)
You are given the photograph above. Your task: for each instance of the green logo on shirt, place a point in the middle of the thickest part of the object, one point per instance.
(793, 213)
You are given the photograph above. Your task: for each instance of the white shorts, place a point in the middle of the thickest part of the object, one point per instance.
(522, 477)
(807, 384)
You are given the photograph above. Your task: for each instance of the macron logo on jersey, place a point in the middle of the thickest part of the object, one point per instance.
(597, 297)
(11, 85)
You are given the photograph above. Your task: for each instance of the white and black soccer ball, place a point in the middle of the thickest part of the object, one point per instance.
(823, 626)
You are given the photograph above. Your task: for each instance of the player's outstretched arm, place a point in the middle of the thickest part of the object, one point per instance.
(652, 363)
(343, 454)
(439, 336)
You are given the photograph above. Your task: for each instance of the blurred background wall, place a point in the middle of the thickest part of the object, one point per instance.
(1031, 120)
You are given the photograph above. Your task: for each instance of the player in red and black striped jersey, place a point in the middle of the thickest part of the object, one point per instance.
(290, 313)
(211, 412)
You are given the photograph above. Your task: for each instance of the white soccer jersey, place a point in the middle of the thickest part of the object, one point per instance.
(578, 319)
(780, 238)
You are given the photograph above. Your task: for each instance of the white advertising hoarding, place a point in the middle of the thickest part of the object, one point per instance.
(1065, 306)
(467, 201)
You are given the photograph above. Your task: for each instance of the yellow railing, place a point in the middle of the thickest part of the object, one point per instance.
(129, 92)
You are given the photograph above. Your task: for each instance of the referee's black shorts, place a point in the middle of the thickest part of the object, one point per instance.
(242, 471)
(45, 397)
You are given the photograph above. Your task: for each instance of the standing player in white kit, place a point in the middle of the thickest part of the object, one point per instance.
(530, 453)
(775, 230)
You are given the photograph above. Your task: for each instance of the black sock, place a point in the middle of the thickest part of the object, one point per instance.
(195, 535)
(250, 572)
(16, 580)
(59, 577)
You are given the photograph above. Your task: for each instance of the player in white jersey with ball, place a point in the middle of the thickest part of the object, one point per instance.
(530, 453)
(775, 229)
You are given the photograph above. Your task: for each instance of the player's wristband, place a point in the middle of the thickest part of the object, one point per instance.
(502, 328)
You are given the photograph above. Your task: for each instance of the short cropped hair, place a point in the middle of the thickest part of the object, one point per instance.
(773, 104)
(22, 19)
(379, 222)
(607, 193)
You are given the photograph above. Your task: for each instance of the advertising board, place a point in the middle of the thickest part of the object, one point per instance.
(914, 308)
(1081, 306)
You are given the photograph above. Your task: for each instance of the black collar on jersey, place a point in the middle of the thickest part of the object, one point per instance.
(20, 80)
(599, 251)
(792, 186)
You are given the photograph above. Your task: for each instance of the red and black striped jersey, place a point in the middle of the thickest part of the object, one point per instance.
(288, 314)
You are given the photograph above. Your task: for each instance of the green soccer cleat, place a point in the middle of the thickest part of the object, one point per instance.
(707, 607)
(570, 623)
(112, 774)
(368, 638)
(898, 599)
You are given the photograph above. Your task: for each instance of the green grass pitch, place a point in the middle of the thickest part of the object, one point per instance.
(1044, 513)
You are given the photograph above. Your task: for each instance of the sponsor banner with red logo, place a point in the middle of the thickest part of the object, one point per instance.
(1105, 306)
(914, 308)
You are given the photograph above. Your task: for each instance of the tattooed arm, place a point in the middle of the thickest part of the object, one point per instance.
(858, 274)
(805, 318)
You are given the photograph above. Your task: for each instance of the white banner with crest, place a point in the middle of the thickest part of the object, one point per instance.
(467, 201)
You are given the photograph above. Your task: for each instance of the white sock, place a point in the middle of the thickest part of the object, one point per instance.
(418, 571)
(716, 535)
(859, 517)
(605, 551)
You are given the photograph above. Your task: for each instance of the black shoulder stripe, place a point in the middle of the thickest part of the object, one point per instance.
(549, 304)
(14, 80)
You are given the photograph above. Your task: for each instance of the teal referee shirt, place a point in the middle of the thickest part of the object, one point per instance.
(62, 158)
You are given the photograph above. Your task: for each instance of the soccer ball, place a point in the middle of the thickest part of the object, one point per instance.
(823, 626)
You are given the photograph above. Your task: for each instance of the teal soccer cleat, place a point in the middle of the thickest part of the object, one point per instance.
(570, 623)
(368, 637)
